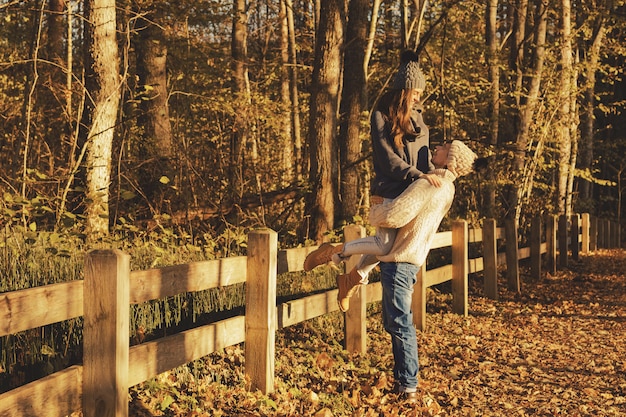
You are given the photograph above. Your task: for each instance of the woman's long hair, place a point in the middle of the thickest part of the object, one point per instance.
(396, 108)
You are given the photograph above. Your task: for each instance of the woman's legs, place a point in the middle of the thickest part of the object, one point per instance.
(397, 280)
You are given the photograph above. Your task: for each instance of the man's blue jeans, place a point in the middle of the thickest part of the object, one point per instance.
(397, 280)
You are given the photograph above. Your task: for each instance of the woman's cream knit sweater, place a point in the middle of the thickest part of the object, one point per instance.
(417, 213)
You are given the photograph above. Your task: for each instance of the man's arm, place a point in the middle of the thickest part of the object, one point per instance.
(402, 210)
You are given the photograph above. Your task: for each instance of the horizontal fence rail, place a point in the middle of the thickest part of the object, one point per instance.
(110, 366)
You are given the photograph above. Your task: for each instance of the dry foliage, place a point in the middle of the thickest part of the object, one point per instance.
(556, 349)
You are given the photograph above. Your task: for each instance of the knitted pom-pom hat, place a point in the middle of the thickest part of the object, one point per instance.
(409, 75)
(460, 158)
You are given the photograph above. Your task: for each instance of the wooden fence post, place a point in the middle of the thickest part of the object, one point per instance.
(535, 248)
(106, 310)
(419, 299)
(490, 259)
(512, 256)
(575, 239)
(551, 233)
(355, 336)
(601, 224)
(586, 233)
(460, 267)
(593, 233)
(261, 319)
(563, 240)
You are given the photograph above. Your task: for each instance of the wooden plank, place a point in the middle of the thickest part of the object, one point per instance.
(502, 258)
(475, 265)
(355, 319)
(459, 267)
(106, 333)
(535, 248)
(490, 257)
(523, 253)
(439, 275)
(59, 394)
(164, 282)
(512, 256)
(39, 306)
(152, 358)
(575, 236)
(418, 303)
(442, 240)
(563, 233)
(297, 311)
(585, 230)
(551, 243)
(261, 310)
(475, 235)
(593, 233)
(291, 260)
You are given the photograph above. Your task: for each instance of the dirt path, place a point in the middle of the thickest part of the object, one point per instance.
(557, 349)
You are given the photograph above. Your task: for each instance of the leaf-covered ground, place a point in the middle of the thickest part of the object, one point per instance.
(556, 349)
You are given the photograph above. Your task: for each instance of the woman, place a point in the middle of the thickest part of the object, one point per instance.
(401, 154)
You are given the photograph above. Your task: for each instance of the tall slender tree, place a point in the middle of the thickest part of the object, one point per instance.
(493, 62)
(353, 102)
(565, 121)
(323, 118)
(103, 84)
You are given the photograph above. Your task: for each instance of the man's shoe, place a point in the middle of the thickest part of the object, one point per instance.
(409, 397)
(321, 255)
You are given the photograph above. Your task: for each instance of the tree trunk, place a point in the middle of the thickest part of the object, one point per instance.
(285, 98)
(154, 119)
(353, 101)
(239, 68)
(323, 117)
(565, 120)
(491, 22)
(102, 81)
(526, 110)
(295, 102)
(151, 53)
(591, 56)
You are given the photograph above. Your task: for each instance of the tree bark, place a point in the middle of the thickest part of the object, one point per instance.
(491, 21)
(151, 53)
(285, 98)
(155, 140)
(526, 108)
(565, 119)
(239, 69)
(102, 81)
(323, 118)
(591, 56)
(353, 101)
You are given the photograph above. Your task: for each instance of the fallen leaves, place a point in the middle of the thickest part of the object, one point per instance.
(556, 349)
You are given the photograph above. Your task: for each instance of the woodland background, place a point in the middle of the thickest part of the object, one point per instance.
(171, 129)
(214, 116)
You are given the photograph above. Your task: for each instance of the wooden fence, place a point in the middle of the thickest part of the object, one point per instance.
(110, 366)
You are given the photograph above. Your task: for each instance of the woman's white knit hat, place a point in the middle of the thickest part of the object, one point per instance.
(460, 158)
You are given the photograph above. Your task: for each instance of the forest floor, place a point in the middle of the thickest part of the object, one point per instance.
(558, 348)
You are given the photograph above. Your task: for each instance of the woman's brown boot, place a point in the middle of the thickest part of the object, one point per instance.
(347, 284)
(321, 255)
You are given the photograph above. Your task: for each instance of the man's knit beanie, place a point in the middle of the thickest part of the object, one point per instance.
(460, 158)
(409, 75)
